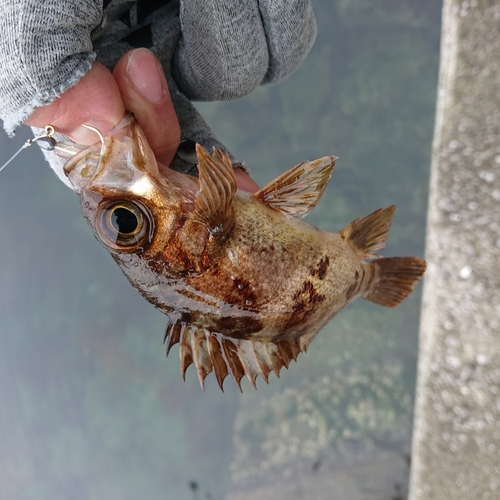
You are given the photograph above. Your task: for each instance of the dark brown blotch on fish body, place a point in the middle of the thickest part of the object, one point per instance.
(244, 289)
(308, 294)
(305, 301)
(229, 288)
(158, 265)
(355, 287)
(240, 327)
(351, 291)
(322, 268)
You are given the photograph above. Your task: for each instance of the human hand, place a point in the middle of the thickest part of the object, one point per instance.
(100, 99)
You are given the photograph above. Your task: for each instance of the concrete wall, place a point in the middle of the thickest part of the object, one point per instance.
(456, 442)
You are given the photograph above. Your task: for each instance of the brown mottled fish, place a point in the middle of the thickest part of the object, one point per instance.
(246, 283)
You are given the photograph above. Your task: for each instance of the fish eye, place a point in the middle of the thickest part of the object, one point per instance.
(123, 225)
(125, 221)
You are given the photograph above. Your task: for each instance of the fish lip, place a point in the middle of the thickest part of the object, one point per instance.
(73, 161)
(119, 128)
(87, 162)
(92, 155)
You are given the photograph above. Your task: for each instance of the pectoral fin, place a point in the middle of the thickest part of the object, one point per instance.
(297, 191)
(225, 356)
(217, 186)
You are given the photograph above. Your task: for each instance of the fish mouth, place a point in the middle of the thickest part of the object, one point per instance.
(88, 163)
(81, 167)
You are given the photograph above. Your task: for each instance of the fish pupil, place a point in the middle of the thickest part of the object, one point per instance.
(124, 221)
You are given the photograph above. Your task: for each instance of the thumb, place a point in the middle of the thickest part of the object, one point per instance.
(144, 91)
(94, 100)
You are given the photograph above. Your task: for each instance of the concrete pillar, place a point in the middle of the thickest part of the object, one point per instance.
(456, 441)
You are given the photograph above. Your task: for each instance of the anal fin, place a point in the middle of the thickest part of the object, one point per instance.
(210, 351)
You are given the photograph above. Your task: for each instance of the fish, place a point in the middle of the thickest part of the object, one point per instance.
(245, 282)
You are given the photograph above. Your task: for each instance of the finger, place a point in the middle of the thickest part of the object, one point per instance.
(244, 181)
(94, 100)
(144, 91)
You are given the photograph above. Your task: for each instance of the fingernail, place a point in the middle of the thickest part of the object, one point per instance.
(83, 135)
(143, 71)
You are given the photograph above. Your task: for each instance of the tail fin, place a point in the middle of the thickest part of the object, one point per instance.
(368, 234)
(394, 279)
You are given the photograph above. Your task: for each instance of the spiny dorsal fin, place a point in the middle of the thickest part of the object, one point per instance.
(214, 199)
(297, 191)
(226, 356)
(368, 234)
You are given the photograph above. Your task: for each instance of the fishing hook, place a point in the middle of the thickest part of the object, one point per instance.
(45, 139)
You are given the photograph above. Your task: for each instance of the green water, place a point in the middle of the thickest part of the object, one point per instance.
(89, 406)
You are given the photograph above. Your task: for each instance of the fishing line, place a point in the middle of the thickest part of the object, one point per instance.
(45, 141)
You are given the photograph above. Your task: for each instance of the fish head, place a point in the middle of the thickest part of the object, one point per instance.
(124, 193)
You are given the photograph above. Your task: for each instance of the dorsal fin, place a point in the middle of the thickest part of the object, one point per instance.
(225, 356)
(297, 191)
(368, 234)
(217, 186)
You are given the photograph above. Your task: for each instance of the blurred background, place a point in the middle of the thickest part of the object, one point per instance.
(89, 406)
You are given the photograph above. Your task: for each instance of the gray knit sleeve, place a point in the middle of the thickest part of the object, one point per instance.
(227, 48)
(290, 30)
(45, 48)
